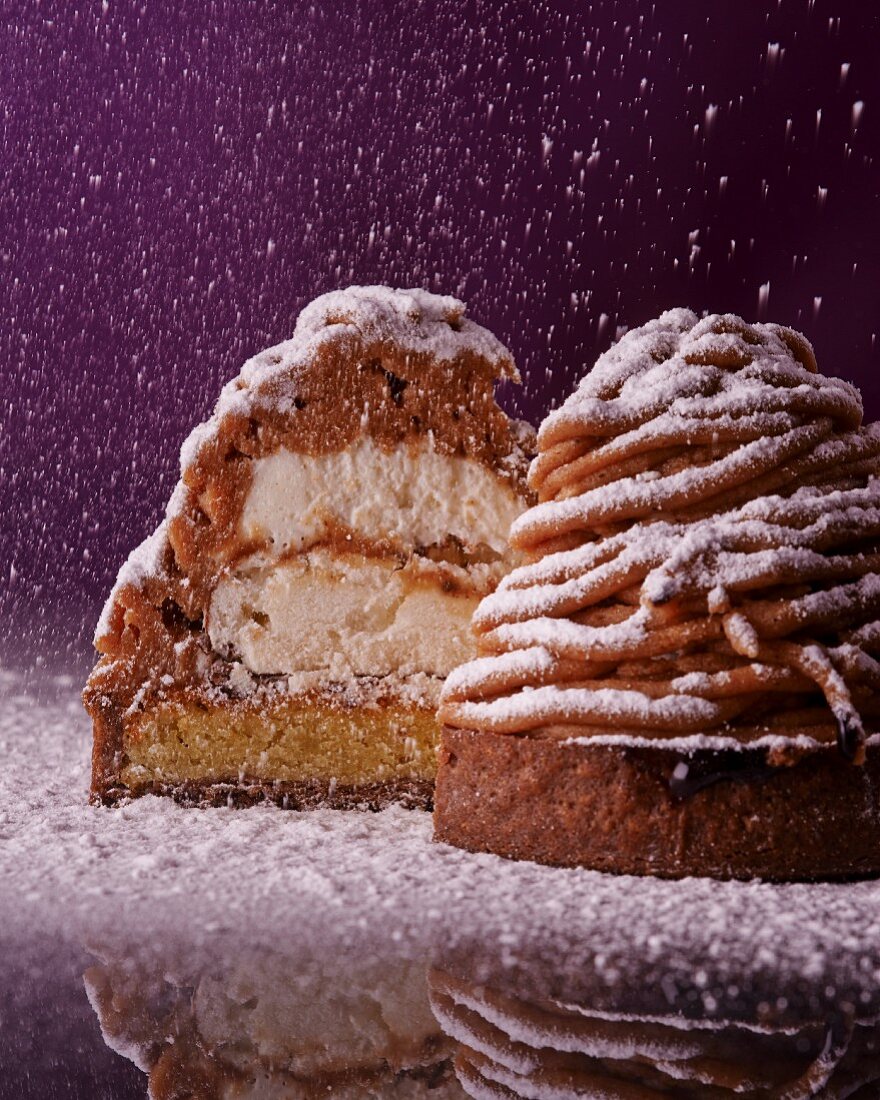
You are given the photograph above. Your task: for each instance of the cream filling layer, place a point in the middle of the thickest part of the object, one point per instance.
(410, 495)
(342, 616)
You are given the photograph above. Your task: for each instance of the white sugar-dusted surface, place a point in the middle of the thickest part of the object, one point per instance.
(151, 871)
(417, 320)
(662, 367)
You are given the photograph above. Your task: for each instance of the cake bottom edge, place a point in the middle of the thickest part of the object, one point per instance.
(309, 794)
(616, 809)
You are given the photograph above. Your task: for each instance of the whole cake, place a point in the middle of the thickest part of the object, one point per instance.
(284, 633)
(510, 1046)
(682, 679)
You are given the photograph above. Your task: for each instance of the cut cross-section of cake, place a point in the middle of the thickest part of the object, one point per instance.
(262, 1024)
(284, 633)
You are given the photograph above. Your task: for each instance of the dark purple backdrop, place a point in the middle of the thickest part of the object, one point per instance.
(180, 178)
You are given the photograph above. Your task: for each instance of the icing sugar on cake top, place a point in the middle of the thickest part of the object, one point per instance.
(414, 320)
(720, 410)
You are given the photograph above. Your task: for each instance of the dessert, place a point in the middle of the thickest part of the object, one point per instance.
(276, 1024)
(511, 1046)
(284, 633)
(682, 679)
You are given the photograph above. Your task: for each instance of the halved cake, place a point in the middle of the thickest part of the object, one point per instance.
(284, 633)
(259, 1024)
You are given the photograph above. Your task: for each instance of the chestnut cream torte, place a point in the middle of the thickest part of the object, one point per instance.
(284, 633)
(683, 678)
(512, 1046)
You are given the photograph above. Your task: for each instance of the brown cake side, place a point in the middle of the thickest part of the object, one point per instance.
(620, 809)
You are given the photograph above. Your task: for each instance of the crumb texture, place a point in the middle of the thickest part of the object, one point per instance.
(280, 741)
(615, 808)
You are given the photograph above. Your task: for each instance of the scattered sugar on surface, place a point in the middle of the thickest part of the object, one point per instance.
(76, 873)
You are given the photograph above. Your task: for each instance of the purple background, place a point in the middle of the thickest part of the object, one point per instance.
(179, 179)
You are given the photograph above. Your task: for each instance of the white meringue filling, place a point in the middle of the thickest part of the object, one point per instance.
(411, 496)
(341, 616)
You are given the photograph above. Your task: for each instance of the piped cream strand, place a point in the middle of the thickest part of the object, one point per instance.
(709, 515)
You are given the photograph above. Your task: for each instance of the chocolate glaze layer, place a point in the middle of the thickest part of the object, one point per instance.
(708, 766)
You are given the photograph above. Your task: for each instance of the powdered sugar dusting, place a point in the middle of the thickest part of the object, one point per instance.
(695, 742)
(152, 873)
(525, 709)
(663, 365)
(414, 320)
(643, 496)
(722, 502)
(144, 561)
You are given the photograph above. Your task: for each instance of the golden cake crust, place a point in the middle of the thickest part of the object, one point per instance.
(298, 751)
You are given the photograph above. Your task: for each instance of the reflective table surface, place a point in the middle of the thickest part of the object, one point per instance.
(152, 950)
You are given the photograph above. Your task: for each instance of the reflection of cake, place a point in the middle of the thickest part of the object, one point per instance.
(274, 1026)
(683, 678)
(511, 1047)
(285, 631)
